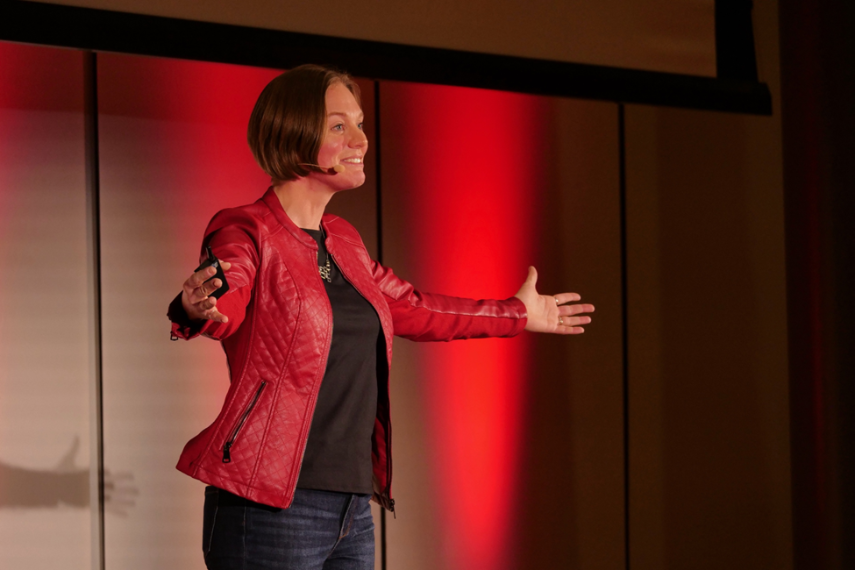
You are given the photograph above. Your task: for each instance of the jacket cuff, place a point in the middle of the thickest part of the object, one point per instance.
(522, 316)
(182, 326)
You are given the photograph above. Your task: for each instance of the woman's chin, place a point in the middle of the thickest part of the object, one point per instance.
(354, 180)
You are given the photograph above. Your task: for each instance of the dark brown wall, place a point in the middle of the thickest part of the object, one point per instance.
(708, 393)
(817, 62)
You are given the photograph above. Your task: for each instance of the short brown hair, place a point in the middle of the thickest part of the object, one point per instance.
(287, 125)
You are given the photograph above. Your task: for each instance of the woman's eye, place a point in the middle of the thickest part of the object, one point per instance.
(360, 126)
(338, 127)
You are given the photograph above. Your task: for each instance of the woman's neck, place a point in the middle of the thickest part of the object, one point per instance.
(303, 201)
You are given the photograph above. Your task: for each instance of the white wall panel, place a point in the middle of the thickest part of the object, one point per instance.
(44, 327)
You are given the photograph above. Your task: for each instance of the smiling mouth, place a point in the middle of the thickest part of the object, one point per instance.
(352, 160)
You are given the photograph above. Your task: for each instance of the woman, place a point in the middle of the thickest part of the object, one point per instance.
(303, 440)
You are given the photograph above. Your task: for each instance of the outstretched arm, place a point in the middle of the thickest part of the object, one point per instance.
(558, 314)
(424, 316)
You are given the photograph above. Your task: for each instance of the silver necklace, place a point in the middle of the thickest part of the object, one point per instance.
(325, 270)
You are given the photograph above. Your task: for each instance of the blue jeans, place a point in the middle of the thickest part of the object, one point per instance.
(322, 530)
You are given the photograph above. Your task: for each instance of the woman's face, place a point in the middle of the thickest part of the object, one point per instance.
(344, 141)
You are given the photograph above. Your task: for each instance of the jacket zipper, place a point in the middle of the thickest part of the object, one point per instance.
(390, 502)
(227, 456)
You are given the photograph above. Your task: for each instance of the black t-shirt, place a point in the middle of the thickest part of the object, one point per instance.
(338, 453)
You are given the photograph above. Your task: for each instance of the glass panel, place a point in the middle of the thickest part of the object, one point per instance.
(44, 326)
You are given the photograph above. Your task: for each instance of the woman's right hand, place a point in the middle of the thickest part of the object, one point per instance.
(195, 297)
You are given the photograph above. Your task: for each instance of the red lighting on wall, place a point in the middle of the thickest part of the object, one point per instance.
(200, 108)
(475, 158)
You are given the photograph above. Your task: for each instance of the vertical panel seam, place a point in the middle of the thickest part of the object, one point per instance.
(624, 324)
(379, 202)
(377, 170)
(93, 222)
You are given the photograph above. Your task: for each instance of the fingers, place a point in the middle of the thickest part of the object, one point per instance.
(206, 304)
(215, 315)
(572, 322)
(200, 277)
(563, 298)
(568, 310)
(209, 287)
(196, 295)
(198, 287)
(571, 318)
(202, 292)
(194, 283)
(208, 310)
(205, 307)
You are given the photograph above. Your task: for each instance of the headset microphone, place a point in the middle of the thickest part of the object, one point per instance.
(337, 169)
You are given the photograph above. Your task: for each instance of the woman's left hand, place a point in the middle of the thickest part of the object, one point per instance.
(551, 313)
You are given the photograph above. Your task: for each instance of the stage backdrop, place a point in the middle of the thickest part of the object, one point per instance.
(44, 329)
(509, 453)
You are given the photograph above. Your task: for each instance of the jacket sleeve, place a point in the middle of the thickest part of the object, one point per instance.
(430, 317)
(232, 238)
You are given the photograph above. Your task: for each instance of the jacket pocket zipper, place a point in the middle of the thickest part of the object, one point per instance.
(227, 456)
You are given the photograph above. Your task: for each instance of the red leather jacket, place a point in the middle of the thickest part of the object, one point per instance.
(278, 338)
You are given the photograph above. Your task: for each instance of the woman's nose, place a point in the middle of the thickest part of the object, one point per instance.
(358, 139)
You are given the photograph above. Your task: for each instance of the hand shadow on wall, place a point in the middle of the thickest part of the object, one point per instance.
(66, 484)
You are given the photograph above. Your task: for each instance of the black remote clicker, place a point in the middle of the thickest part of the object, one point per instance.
(212, 261)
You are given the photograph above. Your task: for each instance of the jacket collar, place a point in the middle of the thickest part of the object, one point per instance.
(272, 202)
